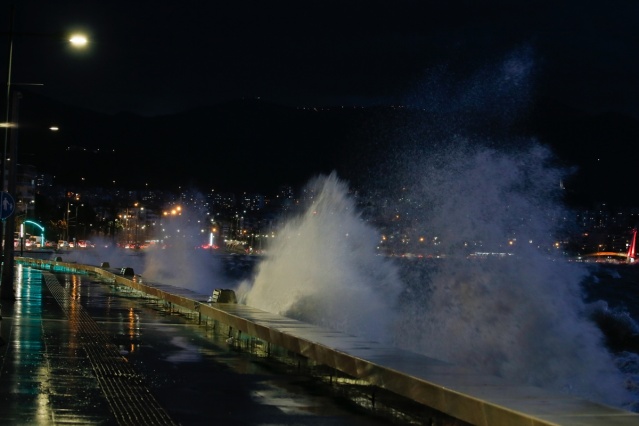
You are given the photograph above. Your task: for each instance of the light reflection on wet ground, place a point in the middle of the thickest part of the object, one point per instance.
(46, 378)
(202, 379)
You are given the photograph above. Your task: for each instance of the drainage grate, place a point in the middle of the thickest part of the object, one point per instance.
(131, 401)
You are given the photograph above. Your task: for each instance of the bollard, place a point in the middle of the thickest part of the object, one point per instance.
(105, 265)
(58, 259)
(223, 296)
(127, 272)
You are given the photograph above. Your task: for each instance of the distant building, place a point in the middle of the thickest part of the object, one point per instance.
(252, 202)
(26, 177)
(222, 200)
(44, 181)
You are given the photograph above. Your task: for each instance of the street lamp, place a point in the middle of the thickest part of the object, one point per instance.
(9, 165)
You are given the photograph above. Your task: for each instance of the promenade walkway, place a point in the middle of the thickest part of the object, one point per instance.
(77, 351)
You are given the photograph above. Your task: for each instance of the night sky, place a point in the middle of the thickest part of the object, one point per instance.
(160, 57)
(497, 60)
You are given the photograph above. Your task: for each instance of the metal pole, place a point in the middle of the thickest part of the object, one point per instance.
(7, 116)
(66, 223)
(6, 290)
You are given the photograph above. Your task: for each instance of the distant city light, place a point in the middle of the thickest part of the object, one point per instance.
(54, 128)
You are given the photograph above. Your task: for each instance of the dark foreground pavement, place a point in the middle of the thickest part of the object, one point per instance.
(74, 350)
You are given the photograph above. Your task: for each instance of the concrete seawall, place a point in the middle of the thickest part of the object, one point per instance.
(453, 390)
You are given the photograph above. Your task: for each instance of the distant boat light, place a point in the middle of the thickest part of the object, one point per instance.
(54, 128)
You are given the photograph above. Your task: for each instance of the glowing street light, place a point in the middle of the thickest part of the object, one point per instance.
(78, 40)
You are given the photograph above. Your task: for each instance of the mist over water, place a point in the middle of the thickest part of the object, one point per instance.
(197, 270)
(176, 259)
(179, 260)
(520, 316)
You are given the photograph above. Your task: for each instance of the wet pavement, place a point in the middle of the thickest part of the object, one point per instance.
(74, 350)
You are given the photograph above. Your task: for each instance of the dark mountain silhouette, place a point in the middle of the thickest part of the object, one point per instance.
(244, 145)
(251, 145)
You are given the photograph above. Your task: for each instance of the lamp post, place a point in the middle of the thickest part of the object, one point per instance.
(8, 224)
(9, 164)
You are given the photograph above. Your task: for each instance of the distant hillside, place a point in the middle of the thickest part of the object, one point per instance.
(256, 146)
(240, 145)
